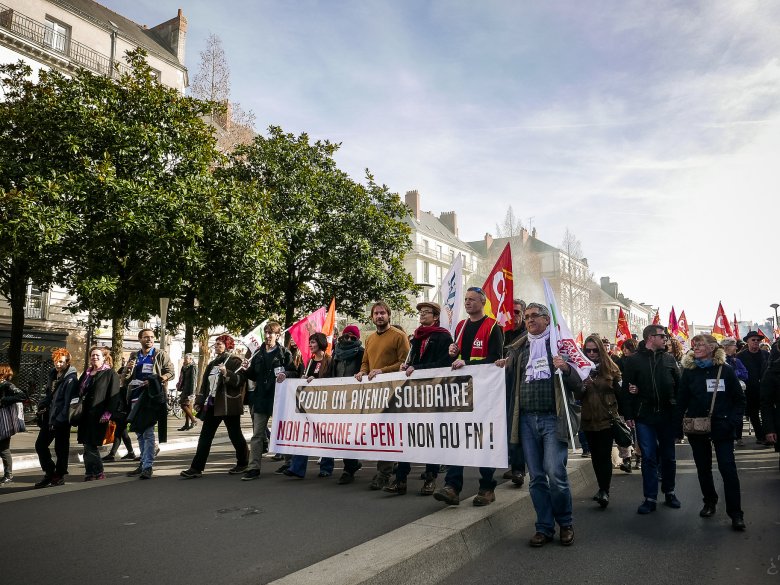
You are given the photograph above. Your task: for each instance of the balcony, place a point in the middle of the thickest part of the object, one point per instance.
(46, 38)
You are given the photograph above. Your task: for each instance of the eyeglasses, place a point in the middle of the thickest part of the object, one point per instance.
(421, 313)
(663, 335)
(533, 316)
(591, 350)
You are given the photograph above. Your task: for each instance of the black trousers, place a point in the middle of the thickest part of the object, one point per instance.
(601, 456)
(61, 437)
(121, 436)
(701, 445)
(753, 411)
(207, 431)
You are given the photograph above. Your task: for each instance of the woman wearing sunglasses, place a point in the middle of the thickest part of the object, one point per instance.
(599, 406)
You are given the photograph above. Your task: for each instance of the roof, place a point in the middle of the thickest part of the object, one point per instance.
(132, 31)
(429, 224)
(534, 245)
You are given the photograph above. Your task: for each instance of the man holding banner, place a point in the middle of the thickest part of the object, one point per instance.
(478, 340)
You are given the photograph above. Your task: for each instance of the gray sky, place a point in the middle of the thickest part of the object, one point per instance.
(650, 129)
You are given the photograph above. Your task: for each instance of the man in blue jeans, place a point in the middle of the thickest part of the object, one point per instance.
(539, 419)
(650, 382)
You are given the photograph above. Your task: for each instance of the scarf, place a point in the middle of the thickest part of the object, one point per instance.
(347, 349)
(88, 378)
(214, 375)
(703, 363)
(423, 332)
(538, 351)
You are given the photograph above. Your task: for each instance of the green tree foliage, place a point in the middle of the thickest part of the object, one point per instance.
(334, 236)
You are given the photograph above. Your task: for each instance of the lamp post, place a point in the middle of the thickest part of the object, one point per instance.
(777, 324)
(163, 319)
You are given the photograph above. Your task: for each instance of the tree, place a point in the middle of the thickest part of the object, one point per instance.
(576, 283)
(335, 237)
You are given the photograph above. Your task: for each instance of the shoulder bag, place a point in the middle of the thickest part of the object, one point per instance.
(702, 425)
(620, 431)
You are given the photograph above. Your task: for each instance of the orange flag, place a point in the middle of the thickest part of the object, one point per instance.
(722, 327)
(656, 319)
(330, 324)
(682, 328)
(623, 332)
(499, 290)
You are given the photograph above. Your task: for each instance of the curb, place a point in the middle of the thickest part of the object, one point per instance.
(432, 548)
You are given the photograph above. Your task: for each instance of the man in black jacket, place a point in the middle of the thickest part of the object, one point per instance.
(430, 349)
(755, 360)
(650, 382)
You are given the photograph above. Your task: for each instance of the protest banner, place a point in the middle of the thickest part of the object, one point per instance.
(452, 417)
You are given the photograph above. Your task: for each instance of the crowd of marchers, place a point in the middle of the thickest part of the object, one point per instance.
(651, 385)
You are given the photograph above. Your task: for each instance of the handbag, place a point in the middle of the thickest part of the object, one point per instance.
(620, 431)
(8, 421)
(108, 439)
(702, 425)
(75, 410)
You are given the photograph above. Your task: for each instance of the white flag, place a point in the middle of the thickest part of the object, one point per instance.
(451, 289)
(561, 337)
(254, 339)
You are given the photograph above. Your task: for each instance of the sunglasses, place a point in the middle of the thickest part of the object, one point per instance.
(591, 350)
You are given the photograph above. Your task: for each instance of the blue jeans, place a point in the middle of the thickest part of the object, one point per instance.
(654, 440)
(146, 446)
(299, 463)
(546, 457)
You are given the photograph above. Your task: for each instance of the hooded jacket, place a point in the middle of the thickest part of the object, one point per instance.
(261, 372)
(657, 376)
(693, 399)
(59, 392)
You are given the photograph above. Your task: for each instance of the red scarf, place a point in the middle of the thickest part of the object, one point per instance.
(423, 332)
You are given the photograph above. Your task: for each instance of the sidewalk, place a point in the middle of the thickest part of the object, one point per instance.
(23, 444)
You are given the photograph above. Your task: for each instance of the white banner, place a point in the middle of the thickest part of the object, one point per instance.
(561, 337)
(451, 417)
(451, 289)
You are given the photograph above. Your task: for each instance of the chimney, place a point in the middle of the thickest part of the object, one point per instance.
(224, 118)
(450, 221)
(524, 234)
(174, 32)
(413, 203)
(488, 242)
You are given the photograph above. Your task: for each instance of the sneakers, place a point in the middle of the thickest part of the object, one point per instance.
(346, 478)
(396, 487)
(191, 473)
(135, 472)
(7, 479)
(448, 495)
(539, 540)
(429, 486)
(108, 458)
(57, 480)
(146, 473)
(567, 535)
(646, 507)
(707, 511)
(128, 456)
(237, 469)
(672, 501)
(484, 497)
(380, 481)
(251, 474)
(44, 482)
(100, 475)
(282, 469)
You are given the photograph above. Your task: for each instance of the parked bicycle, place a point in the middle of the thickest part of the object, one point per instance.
(174, 407)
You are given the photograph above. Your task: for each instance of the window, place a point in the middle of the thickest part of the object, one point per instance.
(425, 246)
(57, 35)
(34, 303)
(426, 272)
(439, 253)
(157, 74)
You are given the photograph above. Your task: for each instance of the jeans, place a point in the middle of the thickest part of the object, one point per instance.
(93, 464)
(403, 469)
(601, 456)
(146, 447)
(657, 440)
(61, 437)
(546, 456)
(724, 453)
(299, 463)
(209, 429)
(258, 441)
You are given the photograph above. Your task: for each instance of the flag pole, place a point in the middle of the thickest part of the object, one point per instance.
(566, 409)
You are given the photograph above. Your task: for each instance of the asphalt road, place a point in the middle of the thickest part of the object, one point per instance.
(215, 529)
(616, 545)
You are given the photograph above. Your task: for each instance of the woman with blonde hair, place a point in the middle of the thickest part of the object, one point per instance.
(599, 407)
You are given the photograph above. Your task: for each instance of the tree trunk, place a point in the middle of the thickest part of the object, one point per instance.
(117, 340)
(189, 327)
(203, 357)
(17, 300)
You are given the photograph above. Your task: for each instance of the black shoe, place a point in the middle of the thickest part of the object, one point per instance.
(108, 458)
(429, 486)
(277, 457)
(45, 482)
(127, 456)
(193, 424)
(184, 428)
(625, 466)
(251, 474)
(56, 480)
(146, 473)
(282, 469)
(237, 469)
(346, 478)
(602, 497)
(738, 523)
(707, 511)
(518, 479)
(672, 501)
(191, 473)
(136, 472)
(289, 473)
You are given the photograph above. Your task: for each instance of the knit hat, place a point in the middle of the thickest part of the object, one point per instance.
(229, 342)
(351, 330)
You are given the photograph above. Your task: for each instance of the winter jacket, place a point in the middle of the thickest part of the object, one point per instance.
(693, 399)
(229, 397)
(349, 366)
(770, 395)
(261, 372)
(59, 391)
(739, 368)
(100, 396)
(657, 376)
(188, 380)
(10, 394)
(600, 403)
(437, 352)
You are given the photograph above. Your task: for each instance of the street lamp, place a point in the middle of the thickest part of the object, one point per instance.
(777, 324)
(163, 318)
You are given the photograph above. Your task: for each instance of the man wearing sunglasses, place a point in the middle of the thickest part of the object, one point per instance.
(650, 382)
(518, 323)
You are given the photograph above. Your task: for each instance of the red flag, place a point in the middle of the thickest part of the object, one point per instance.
(764, 337)
(580, 341)
(736, 327)
(330, 324)
(674, 328)
(682, 326)
(656, 319)
(499, 290)
(301, 331)
(623, 332)
(722, 327)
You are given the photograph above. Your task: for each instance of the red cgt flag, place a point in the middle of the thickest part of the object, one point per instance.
(623, 332)
(764, 337)
(722, 327)
(736, 327)
(656, 319)
(499, 290)
(682, 326)
(674, 327)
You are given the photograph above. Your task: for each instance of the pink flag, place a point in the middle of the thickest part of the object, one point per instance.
(301, 331)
